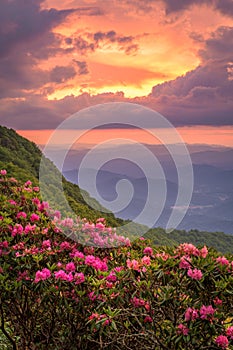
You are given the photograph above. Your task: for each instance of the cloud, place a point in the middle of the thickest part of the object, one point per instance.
(26, 37)
(84, 46)
(82, 67)
(60, 74)
(219, 46)
(89, 42)
(125, 43)
(90, 11)
(22, 22)
(203, 95)
(223, 6)
(36, 112)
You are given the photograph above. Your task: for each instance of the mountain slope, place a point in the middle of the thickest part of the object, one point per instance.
(22, 159)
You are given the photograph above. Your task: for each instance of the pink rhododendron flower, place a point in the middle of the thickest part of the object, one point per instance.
(92, 296)
(163, 256)
(46, 244)
(3, 172)
(107, 322)
(21, 214)
(100, 220)
(12, 202)
(79, 255)
(19, 245)
(61, 274)
(204, 252)
(206, 312)
(89, 260)
(109, 285)
(182, 329)
(68, 222)
(96, 263)
(42, 275)
(188, 249)
(28, 183)
(36, 189)
(65, 245)
(137, 302)
(191, 314)
(146, 260)
(79, 278)
(229, 332)
(23, 276)
(70, 267)
(148, 319)
(195, 274)
(148, 251)
(17, 230)
(93, 316)
(184, 262)
(111, 277)
(119, 268)
(29, 228)
(12, 179)
(34, 217)
(57, 214)
(36, 201)
(217, 301)
(4, 244)
(99, 225)
(222, 260)
(222, 341)
(133, 264)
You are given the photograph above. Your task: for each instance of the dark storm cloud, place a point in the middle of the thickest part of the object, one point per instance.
(82, 67)
(219, 45)
(23, 22)
(174, 6)
(25, 37)
(224, 6)
(112, 37)
(84, 46)
(89, 42)
(60, 74)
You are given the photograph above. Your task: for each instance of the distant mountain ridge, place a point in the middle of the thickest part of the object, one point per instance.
(211, 206)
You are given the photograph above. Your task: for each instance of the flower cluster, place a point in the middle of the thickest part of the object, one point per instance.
(65, 293)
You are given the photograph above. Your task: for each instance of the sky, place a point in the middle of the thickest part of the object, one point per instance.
(175, 57)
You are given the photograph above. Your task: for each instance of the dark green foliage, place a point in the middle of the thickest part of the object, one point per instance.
(218, 240)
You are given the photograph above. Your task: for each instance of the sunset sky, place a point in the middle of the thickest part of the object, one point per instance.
(174, 56)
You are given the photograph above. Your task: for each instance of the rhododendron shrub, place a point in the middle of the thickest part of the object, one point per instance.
(58, 294)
